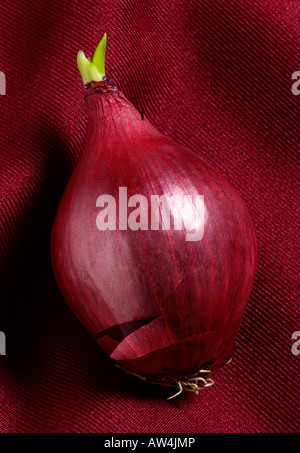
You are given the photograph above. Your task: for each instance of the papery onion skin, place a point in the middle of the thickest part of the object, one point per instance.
(157, 304)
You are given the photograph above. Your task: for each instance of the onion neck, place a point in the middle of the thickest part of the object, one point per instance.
(105, 100)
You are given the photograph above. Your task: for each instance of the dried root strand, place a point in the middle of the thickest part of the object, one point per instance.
(193, 382)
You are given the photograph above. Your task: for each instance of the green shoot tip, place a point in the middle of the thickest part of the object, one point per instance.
(93, 70)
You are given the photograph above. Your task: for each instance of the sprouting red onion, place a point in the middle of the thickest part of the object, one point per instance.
(161, 284)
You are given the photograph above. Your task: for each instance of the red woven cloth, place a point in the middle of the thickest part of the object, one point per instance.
(215, 76)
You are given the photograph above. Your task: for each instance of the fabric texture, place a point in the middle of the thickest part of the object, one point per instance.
(215, 76)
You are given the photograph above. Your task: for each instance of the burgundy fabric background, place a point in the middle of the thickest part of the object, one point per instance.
(215, 76)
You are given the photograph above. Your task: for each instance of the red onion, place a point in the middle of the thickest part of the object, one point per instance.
(160, 283)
